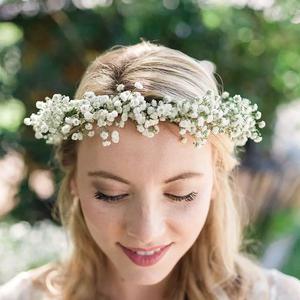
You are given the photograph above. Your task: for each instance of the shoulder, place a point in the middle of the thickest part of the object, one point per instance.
(30, 285)
(282, 286)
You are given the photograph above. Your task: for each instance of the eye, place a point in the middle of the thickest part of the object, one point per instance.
(98, 195)
(108, 198)
(189, 197)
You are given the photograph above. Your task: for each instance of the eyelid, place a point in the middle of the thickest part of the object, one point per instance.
(116, 198)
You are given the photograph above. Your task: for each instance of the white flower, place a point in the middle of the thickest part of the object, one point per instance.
(225, 95)
(104, 135)
(44, 128)
(89, 94)
(69, 121)
(200, 121)
(96, 103)
(117, 103)
(153, 102)
(258, 115)
(182, 131)
(185, 123)
(40, 104)
(120, 87)
(75, 122)
(134, 102)
(38, 135)
(224, 122)
(215, 130)
(88, 126)
(199, 117)
(210, 118)
(91, 133)
(27, 121)
(115, 136)
(88, 116)
(106, 143)
(66, 129)
(254, 107)
(138, 85)
(184, 140)
(125, 95)
(150, 110)
(74, 136)
(110, 117)
(104, 98)
(140, 128)
(258, 139)
(114, 113)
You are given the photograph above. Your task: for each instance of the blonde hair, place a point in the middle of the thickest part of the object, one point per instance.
(214, 265)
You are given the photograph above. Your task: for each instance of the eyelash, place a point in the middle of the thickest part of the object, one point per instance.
(190, 197)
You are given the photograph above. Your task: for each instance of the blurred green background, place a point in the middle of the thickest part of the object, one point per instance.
(254, 47)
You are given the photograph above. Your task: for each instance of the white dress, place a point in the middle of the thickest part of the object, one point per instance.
(280, 286)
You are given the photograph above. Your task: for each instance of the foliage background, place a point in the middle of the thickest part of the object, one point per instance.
(45, 46)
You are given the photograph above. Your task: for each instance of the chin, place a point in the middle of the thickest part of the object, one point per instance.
(144, 277)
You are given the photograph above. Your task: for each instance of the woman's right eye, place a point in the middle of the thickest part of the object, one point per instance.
(108, 198)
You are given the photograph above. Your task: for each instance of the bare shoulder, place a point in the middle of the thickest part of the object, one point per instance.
(29, 285)
(282, 286)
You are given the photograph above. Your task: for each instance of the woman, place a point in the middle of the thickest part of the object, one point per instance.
(149, 218)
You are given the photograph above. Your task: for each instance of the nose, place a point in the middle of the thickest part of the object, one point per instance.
(145, 222)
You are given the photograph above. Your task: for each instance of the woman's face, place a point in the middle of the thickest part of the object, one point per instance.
(145, 213)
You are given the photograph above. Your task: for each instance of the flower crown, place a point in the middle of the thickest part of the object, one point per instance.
(59, 117)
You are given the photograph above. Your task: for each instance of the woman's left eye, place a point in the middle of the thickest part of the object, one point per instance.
(189, 197)
(98, 195)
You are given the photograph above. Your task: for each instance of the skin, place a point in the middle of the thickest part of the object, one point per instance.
(146, 216)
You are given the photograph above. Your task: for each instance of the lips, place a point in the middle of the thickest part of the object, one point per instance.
(145, 260)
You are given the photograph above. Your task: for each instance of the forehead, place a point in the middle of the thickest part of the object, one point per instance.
(139, 155)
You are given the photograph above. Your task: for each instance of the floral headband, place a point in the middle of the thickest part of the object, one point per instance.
(59, 117)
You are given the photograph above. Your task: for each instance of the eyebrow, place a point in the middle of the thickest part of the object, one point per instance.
(106, 174)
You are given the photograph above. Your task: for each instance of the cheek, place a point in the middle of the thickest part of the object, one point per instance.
(99, 221)
(193, 217)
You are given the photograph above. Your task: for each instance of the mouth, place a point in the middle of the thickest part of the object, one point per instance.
(146, 258)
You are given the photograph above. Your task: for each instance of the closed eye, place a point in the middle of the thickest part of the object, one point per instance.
(108, 198)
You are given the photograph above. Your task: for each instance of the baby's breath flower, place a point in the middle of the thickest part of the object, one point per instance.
(258, 139)
(115, 136)
(88, 116)
(66, 129)
(138, 85)
(124, 95)
(225, 95)
(88, 126)
(39, 104)
(27, 121)
(254, 107)
(258, 115)
(120, 87)
(104, 135)
(76, 122)
(91, 133)
(199, 117)
(74, 136)
(106, 143)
